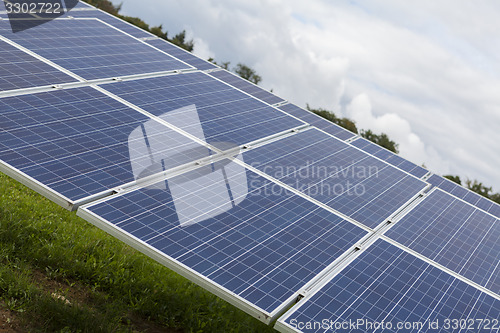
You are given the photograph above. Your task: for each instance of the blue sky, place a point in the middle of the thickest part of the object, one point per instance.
(427, 74)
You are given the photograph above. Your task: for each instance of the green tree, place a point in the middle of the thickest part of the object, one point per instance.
(158, 31)
(328, 115)
(247, 73)
(180, 40)
(478, 187)
(381, 139)
(455, 179)
(495, 197)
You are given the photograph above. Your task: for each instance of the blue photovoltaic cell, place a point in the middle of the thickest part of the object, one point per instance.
(454, 234)
(226, 114)
(82, 4)
(462, 193)
(247, 87)
(80, 142)
(112, 20)
(20, 70)
(181, 54)
(262, 244)
(389, 157)
(92, 49)
(338, 175)
(159, 43)
(317, 121)
(387, 285)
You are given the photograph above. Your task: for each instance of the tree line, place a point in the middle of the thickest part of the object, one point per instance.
(250, 74)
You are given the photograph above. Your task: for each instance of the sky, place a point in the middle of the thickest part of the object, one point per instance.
(427, 74)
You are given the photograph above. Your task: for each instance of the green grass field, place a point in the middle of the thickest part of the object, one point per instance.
(60, 273)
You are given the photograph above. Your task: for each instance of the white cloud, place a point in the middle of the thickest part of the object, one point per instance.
(398, 129)
(201, 48)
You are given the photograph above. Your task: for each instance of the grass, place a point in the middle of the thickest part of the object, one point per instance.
(60, 273)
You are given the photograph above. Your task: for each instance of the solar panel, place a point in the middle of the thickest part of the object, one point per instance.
(462, 193)
(80, 142)
(135, 153)
(387, 289)
(20, 70)
(338, 175)
(112, 20)
(390, 157)
(242, 241)
(247, 87)
(181, 54)
(317, 121)
(92, 49)
(454, 234)
(226, 114)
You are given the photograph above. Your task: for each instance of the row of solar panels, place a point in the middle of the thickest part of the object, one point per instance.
(262, 226)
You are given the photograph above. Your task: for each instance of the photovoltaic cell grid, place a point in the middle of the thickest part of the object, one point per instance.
(20, 70)
(226, 114)
(263, 249)
(247, 87)
(317, 121)
(338, 175)
(74, 141)
(78, 143)
(181, 54)
(82, 4)
(110, 19)
(387, 285)
(91, 49)
(454, 234)
(159, 43)
(389, 157)
(462, 193)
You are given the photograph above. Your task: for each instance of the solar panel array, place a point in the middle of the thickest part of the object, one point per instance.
(454, 234)
(92, 49)
(388, 289)
(259, 201)
(337, 175)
